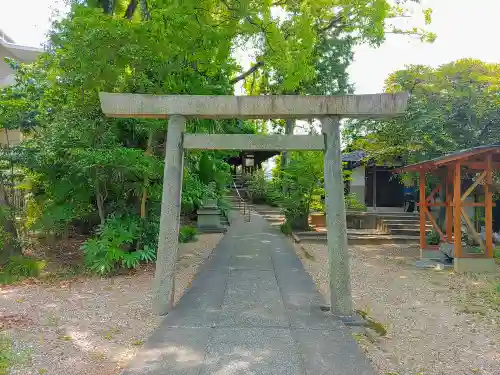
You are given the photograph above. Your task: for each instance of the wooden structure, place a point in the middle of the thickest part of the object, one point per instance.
(257, 157)
(478, 163)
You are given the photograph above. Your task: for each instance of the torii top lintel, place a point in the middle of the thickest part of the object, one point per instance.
(262, 107)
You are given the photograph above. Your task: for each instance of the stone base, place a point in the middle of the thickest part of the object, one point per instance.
(478, 265)
(212, 229)
(355, 320)
(432, 254)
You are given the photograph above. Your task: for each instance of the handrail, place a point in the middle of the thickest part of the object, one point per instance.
(245, 206)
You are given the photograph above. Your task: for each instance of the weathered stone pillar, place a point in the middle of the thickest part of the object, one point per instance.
(338, 257)
(168, 244)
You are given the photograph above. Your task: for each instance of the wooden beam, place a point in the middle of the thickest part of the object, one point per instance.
(488, 215)
(457, 201)
(481, 165)
(433, 192)
(463, 156)
(423, 208)
(436, 204)
(449, 208)
(470, 224)
(473, 186)
(436, 227)
(253, 142)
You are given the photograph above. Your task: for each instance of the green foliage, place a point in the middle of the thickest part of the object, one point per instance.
(187, 234)
(113, 247)
(352, 202)
(8, 356)
(286, 227)
(452, 107)
(303, 177)
(433, 238)
(19, 267)
(258, 187)
(84, 170)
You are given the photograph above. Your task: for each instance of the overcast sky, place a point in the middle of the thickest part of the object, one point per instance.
(465, 28)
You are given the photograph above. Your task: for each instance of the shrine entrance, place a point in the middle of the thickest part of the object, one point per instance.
(328, 109)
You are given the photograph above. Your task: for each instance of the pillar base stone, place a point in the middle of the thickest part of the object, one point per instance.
(477, 265)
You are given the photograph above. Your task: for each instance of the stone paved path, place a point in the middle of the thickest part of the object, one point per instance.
(252, 309)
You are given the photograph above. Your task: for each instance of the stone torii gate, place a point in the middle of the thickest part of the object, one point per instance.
(329, 109)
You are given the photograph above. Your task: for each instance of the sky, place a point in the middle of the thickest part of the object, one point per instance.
(464, 28)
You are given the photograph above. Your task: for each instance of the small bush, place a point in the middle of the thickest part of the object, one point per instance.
(187, 234)
(286, 228)
(257, 186)
(352, 202)
(8, 357)
(116, 245)
(24, 266)
(19, 267)
(433, 238)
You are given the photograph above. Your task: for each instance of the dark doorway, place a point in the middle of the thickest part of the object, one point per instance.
(389, 190)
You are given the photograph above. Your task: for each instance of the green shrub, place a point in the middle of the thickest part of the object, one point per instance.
(6, 354)
(257, 186)
(24, 266)
(8, 357)
(353, 203)
(286, 228)
(113, 247)
(19, 267)
(274, 194)
(433, 238)
(187, 234)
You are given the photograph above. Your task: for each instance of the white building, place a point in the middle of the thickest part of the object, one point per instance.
(8, 48)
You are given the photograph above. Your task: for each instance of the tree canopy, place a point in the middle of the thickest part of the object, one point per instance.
(452, 107)
(83, 171)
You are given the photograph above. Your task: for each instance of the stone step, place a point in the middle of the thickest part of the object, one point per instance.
(402, 221)
(405, 232)
(377, 239)
(406, 225)
(361, 237)
(353, 232)
(382, 239)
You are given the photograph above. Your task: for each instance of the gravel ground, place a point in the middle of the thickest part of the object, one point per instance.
(438, 322)
(90, 325)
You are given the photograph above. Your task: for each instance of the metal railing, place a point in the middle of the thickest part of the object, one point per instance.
(242, 202)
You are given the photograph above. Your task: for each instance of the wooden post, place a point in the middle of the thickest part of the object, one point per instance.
(449, 207)
(338, 254)
(374, 179)
(457, 211)
(423, 209)
(488, 206)
(168, 239)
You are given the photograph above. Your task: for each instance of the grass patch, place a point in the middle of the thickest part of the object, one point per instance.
(372, 323)
(20, 267)
(138, 342)
(8, 356)
(187, 233)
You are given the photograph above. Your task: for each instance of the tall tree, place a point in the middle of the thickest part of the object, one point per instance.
(452, 107)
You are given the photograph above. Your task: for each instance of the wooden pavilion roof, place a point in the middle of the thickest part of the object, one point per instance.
(473, 158)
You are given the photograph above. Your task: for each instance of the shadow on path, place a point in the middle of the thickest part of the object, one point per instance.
(252, 309)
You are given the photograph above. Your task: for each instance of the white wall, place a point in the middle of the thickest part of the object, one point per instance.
(357, 182)
(23, 54)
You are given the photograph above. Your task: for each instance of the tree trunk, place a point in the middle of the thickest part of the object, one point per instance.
(100, 202)
(289, 125)
(10, 241)
(144, 197)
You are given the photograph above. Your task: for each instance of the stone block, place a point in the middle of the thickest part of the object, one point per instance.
(476, 265)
